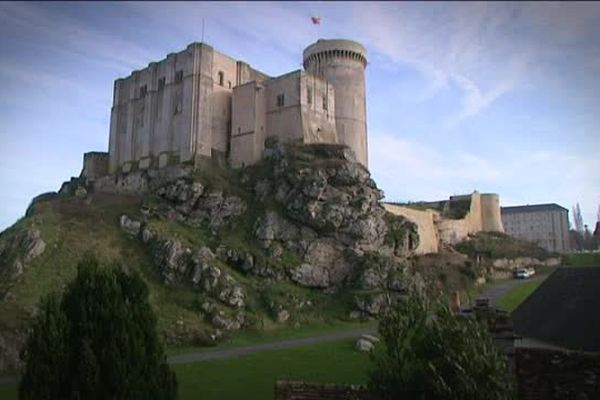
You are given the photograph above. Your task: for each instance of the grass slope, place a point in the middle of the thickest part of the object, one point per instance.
(514, 297)
(71, 226)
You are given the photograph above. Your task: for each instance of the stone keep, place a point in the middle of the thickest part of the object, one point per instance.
(200, 103)
(342, 63)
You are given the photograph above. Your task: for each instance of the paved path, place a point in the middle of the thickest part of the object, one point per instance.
(257, 348)
(497, 291)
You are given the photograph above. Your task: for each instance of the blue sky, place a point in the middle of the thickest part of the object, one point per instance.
(461, 96)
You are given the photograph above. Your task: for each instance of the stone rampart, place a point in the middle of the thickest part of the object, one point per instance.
(435, 230)
(427, 225)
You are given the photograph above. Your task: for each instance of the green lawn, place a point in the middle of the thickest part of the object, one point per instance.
(253, 376)
(8, 391)
(517, 295)
(582, 259)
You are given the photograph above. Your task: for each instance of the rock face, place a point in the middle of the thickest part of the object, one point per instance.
(310, 214)
(188, 202)
(329, 213)
(16, 253)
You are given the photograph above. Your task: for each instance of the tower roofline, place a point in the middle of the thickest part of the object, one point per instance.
(323, 45)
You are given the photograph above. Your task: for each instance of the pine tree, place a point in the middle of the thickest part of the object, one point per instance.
(99, 341)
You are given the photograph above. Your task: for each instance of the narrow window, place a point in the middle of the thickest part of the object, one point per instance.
(325, 105)
(309, 95)
(161, 83)
(221, 78)
(229, 84)
(178, 76)
(280, 100)
(143, 90)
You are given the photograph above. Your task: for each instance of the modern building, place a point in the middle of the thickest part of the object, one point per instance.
(200, 103)
(545, 224)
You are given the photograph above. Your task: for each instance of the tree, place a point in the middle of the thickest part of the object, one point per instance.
(577, 218)
(430, 353)
(97, 341)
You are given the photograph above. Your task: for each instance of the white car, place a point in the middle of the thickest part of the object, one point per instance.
(524, 273)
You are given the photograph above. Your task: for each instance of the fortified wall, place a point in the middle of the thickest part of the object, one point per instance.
(435, 229)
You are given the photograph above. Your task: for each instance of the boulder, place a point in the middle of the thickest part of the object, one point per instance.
(364, 345)
(130, 226)
(283, 316)
(310, 276)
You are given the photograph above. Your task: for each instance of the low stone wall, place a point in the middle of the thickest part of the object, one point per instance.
(293, 390)
(552, 374)
(522, 262)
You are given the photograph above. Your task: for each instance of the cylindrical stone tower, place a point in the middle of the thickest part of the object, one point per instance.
(342, 63)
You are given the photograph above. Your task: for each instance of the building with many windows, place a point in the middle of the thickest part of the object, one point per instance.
(545, 224)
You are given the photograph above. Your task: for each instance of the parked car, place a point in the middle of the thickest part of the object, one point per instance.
(524, 273)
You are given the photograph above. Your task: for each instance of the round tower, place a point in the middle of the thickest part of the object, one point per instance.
(342, 63)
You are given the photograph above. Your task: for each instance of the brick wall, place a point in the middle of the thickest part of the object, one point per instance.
(292, 390)
(550, 374)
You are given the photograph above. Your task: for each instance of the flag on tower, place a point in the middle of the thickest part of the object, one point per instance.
(316, 20)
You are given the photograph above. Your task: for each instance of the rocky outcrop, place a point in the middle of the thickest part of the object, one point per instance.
(20, 248)
(189, 202)
(329, 213)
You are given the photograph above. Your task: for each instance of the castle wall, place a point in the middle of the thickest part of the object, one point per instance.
(434, 230)
(224, 77)
(248, 124)
(454, 230)
(293, 107)
(152, 112)
(179, 106)
(427, 226)
(284, 120)
(317, 99)
(95, 165)
(342, 63)
(491, 218)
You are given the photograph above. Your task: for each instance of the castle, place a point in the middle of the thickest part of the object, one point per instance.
(200, 103)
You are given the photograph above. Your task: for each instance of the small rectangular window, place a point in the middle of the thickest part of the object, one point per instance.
(221, 78)
(280, 100)
(309, 95)
(143, 90)
(229, 84)
(325, 105)
(178, 76)
(161, 83)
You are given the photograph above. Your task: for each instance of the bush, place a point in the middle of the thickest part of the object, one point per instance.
(429, 353)
(97, 341)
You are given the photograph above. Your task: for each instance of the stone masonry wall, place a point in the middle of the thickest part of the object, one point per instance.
(289, 390)
(549, 374)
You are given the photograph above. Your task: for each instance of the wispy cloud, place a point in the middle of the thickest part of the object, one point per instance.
(412, 170)
(67, 34)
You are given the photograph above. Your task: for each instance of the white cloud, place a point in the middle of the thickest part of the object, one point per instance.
(412, 170)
